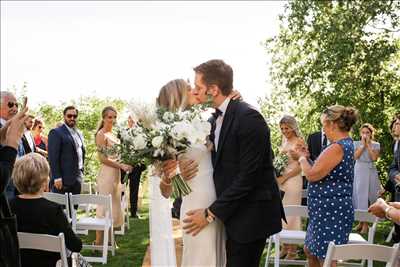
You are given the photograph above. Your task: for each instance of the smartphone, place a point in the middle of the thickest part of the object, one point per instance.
(24, 102)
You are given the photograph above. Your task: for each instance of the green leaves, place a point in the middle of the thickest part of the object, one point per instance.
(337, 52)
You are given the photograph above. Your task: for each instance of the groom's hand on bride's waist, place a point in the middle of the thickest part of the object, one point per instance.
(189, 168)
(195, 221)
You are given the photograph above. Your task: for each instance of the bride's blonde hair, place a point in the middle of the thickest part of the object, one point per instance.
(174, 95)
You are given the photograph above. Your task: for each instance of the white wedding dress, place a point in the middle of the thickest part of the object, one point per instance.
(207, 248)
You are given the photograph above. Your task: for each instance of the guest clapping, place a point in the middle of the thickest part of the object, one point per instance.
(366, 181)
(36, 214)
(331, 185)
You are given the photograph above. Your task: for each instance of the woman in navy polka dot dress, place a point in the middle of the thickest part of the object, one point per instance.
(331, 185)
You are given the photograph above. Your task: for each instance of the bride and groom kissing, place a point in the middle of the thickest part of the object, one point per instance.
(235, 202)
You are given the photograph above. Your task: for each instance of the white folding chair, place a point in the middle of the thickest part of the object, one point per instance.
(288, 237)
(92, 223)
(60, 199)
(390, 235)
(368, 252)
(86, 188)
(125, 211)
(364, 216)
(44, 242)
(356, 238)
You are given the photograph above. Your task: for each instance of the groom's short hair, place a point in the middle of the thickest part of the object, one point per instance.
(217, 72)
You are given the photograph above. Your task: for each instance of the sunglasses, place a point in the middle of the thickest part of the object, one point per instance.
(12, 104)
(69, 116)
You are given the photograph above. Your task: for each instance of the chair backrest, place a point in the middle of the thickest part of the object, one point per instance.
(362, 252)
(44, 242)
(86, 188)
(296, 210)
(102, 200)
(61, 199)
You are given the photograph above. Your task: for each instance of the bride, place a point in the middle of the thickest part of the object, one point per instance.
(208, 247)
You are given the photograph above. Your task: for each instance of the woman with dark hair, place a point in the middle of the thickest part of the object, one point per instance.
(366, 180)
(330, 188)
(39, 138)
(109, 177)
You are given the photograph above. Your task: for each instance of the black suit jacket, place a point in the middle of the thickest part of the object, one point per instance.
(314, 145)
(26, 145)
(248, 199)
(394, 168)
(42, 216)
(63, 157)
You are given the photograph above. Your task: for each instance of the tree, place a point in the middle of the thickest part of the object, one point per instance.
(339, 52)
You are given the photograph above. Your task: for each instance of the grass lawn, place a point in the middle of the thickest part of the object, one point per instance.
(133, 245)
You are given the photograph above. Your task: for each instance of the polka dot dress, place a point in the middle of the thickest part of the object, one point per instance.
(330, 205)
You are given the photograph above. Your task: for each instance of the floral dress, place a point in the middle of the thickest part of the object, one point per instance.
(330, 205)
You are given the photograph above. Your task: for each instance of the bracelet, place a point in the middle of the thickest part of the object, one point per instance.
(387, 213)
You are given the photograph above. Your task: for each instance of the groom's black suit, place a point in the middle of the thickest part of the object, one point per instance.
(248, 199)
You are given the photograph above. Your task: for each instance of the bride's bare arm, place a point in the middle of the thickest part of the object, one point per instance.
(168, 171)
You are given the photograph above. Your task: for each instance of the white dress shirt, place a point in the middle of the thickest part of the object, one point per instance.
(219, 121)
(78, 144)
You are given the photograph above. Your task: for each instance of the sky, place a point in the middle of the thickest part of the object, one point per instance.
(130, 49)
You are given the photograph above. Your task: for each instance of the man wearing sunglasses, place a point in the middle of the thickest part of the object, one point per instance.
(8, 109)
(66, 152)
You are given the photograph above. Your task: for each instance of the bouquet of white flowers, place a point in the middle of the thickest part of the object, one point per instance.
(154, 140)
(280, 163)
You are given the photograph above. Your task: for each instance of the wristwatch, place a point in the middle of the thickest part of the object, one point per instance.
(208, 216)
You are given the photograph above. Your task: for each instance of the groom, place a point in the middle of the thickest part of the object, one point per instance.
(248, 200)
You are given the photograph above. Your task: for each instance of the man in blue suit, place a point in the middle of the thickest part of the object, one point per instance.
(66, 154)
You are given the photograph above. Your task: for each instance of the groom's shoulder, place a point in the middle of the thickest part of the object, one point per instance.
(245, 108)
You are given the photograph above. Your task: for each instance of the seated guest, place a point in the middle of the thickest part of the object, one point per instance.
(36, 214)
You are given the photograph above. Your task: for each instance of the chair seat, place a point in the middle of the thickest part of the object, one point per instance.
(292, 236)
(92, 223)
(355, 238)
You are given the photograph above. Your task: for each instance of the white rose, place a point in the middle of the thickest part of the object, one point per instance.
(139, 142)
(168, 117)
(157, 141)
(180, 130)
